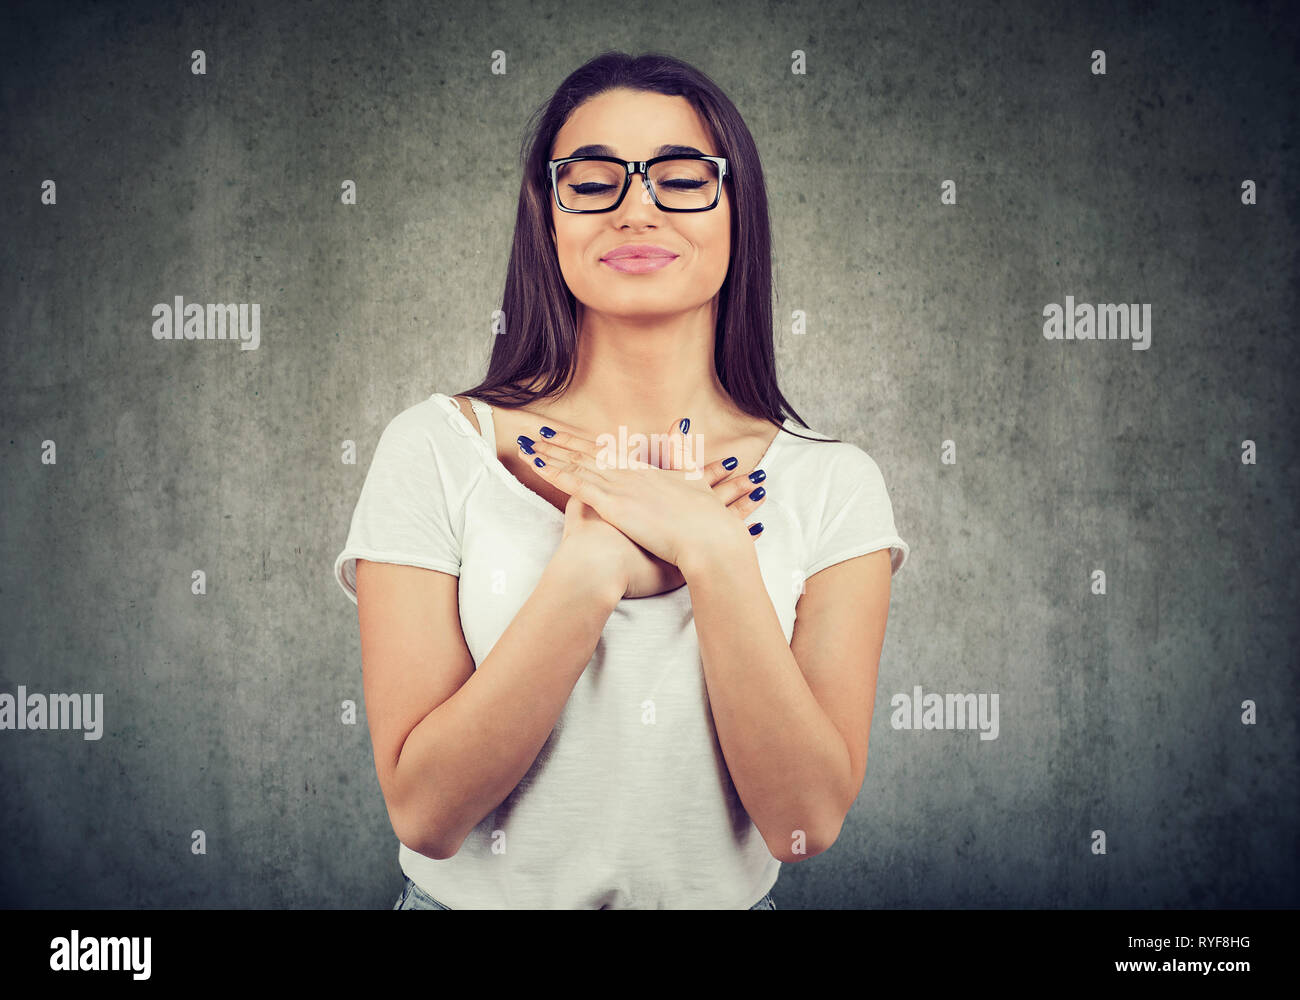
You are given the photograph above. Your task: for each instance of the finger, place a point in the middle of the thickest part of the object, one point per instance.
(744, 501)
(675, 451)
(716, 472)
(687, 451)
(555, 454)
(738, 486)
(566, 439)
(574, 480)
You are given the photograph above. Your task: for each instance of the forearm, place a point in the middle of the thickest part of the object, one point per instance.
(788, 761)
(470, 752)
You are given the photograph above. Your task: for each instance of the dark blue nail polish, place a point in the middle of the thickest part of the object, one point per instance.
(546, 432)
(684, 425)
(729, 463)
(758, 494)
(526, 443)
(538, 462)
(754, 529)
(757, 476)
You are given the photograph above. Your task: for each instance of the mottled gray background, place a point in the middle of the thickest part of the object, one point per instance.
(1119, 712)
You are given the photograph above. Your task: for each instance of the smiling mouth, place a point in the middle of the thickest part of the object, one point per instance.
(639, 264)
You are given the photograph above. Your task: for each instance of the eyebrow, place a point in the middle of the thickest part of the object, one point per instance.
(600, 149)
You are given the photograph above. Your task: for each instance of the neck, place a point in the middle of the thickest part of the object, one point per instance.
(646, 376)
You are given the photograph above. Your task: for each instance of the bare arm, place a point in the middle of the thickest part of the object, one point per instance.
(452, 742)
(793, 720)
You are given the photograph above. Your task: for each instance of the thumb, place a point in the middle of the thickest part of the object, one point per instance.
(678, 449)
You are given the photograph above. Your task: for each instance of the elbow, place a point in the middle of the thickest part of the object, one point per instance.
(423, 839)
(798, 845)
(438, 850)
(430, 849)
(803, 844)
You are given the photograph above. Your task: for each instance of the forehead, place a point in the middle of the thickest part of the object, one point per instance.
(632, 125)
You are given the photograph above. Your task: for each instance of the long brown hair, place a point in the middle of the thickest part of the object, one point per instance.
(541, 338)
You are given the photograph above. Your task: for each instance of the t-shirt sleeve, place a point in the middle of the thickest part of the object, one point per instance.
(403, 515)
(858, 517)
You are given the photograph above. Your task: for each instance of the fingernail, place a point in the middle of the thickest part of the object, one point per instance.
(757, 476)
(538, 462)
(758, 494)
(526, 443)
(754, 529)
(685, 425)
(729, 463)
(546, 432)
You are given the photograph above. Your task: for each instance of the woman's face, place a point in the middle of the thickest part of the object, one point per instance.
(634, 124)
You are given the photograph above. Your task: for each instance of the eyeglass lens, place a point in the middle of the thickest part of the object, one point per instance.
(591, 185)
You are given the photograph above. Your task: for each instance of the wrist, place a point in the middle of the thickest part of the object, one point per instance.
(718, 554)
(586, 577)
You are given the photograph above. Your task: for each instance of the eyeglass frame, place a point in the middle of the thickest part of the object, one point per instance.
(638, 167)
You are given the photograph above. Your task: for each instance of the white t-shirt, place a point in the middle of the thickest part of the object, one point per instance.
(623, 808)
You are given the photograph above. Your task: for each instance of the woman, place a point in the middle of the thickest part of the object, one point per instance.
(557, 721)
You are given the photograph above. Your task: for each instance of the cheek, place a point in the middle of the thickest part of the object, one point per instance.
(570, 250)
(715, 241)
(719, 227)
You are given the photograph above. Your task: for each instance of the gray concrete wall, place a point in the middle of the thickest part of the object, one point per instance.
(1119, 712)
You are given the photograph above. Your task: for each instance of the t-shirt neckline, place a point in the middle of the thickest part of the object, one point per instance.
(487, 435)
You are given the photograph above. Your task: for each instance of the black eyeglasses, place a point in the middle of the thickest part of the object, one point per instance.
(674, 183)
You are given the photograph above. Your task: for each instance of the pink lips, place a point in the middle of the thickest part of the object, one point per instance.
(638, 258)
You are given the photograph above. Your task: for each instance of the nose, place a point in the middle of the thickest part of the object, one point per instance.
(637, 204)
